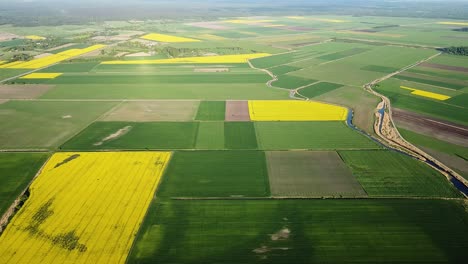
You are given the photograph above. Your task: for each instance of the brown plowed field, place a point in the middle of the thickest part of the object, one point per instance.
(27, 91)
(440, 129)
(444, 67)
(237, 111)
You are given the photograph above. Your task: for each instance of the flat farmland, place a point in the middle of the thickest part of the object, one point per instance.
(403, 176)
(323, 135)
(45, 125)
(193, 91)
(453, 109)
(211, 111)
(310, 174)
(153, 111)
(303, 231)
(16, 171)
(350, 68)
(216, 174)
(133, 135)
(64, 217)
(361, 103)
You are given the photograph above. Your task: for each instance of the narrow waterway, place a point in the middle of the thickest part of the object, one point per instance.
(349, 121)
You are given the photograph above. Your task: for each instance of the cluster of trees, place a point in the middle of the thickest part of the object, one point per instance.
(456, 50)
(464, 29)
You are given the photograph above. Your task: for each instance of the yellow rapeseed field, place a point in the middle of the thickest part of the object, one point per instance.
(431, 95)
(239, 58)
(51, 59)
(453, 23)
(167, 38)
(34, 37)
(40, 75)
(84, 207)
(292, 110)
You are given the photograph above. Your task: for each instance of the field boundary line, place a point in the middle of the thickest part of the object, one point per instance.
(12, 210)
(395, 140)
(87, 125)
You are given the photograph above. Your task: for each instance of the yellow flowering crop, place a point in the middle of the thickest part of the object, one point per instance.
(85, 207)
(453, 23)
(34, 37)
(37, 75)
(168, 38)
(292, 110)
(51, 59)
(431, 95)
(239, 58)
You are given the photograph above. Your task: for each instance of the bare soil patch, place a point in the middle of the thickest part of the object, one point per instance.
(115, 135)
(8, 36)
(26, 91)
(437, 128)
(139, 54)
(237, 111)
(42, 55)
(3, 101)
(310, 174)
(154, 111)
(444, 67)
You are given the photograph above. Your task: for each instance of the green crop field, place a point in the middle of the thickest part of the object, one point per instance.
(43, 125)
(133, 135)
(16, 172)
(211, 110)
(303, 231)
(319, 89)
(240, 135)
(216, 174)
(310, 135)
(180, 78)
(403, 175)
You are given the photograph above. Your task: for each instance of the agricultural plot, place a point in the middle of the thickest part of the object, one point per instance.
(303, 231)
(238, 58)
(166, 91)
(240, 135)
(291, 82)
(153, 111)
(454, 156)
(16, 172)
(64, 219)
(352, 68)
(324, 135)
(51, 59)
(211, 111)
(432, 101)
(23, 91)
(401, 176)
(167, 38)
(132, 135)
(310, 174)
(295, 111)
(216, 174)
(45, 125)
(318, 89)
(210, 136)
